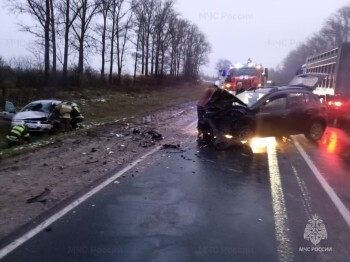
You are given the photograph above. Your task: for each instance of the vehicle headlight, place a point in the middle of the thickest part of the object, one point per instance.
(227, 85)
(17, 122)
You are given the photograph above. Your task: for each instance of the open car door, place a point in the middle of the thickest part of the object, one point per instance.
(9, 111)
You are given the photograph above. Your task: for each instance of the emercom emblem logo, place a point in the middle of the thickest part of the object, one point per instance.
(315, 230)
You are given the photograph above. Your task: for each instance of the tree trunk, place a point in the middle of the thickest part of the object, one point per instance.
(156, 66)
(147, 53)
(143, 53)
(53, 34)
(162, 62)
(47, 43)
(122, 53)
(136, 55)
(66, 39)
(103, 45)
(82, 38)
(118, 50)
(110, 79)
(178, 64)
(152, 57)
(172, 62)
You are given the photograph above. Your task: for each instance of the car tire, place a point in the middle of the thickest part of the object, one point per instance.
(245, 133)
(315, 131)
(205, 136)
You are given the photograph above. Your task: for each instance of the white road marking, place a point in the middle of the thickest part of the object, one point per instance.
(333, 196)
(306, 197)
(284, 249)
(9, 248)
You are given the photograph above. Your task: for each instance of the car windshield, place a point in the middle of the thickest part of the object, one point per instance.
(45, 107)
(250, 98)
(244, 72)
(309, 81)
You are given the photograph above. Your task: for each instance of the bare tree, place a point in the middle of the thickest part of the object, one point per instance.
(223, 64)
(163, 12)
(196, 54)
(119, 12)
(47, 40)
(86, 10)
(40, 11)
(138, 10)
(66, 17)
(53, 36)
(165, 43)
(148, 27)
(121, 44)
(183, 25)
(105, 9)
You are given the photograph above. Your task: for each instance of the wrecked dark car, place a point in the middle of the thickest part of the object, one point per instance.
(270, 111)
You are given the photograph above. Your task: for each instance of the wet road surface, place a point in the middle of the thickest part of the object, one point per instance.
(198, 204)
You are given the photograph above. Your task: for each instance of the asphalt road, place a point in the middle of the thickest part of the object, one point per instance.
(198, 204)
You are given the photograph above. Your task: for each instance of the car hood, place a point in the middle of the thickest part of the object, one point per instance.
(223, 98)
(30, 115)
(309, 80)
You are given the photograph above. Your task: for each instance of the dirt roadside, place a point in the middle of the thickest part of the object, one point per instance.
(35, 182)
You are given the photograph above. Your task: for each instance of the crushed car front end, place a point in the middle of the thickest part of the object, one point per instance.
(34, 123)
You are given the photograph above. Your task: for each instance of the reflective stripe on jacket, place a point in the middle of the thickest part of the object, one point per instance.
(12, 138)
(17, 132)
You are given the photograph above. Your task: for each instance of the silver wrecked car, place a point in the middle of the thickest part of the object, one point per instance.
(36, 115)
(39, 116)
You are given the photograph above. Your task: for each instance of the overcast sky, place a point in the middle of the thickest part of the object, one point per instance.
(264, 31)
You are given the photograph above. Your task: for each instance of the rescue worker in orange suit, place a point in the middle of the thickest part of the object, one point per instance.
(76, 116)
(64, 111)
(18, 135)
(202, 121)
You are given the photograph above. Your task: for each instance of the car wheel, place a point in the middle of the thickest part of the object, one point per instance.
(205, 136)
(315, 131)
(245, 133)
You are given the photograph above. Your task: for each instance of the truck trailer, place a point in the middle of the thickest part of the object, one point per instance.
(334, 90)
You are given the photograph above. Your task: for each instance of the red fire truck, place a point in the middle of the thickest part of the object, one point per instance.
(244, 76)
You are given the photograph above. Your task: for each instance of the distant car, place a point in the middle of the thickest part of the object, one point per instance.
(37, 116)
(288, 110)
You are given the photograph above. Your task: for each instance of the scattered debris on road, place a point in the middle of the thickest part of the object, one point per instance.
(39, 198)
(77, 160)
(168, 146)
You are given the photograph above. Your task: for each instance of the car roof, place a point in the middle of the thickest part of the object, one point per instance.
(273, 89)
(46, 101)
(293, 88)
